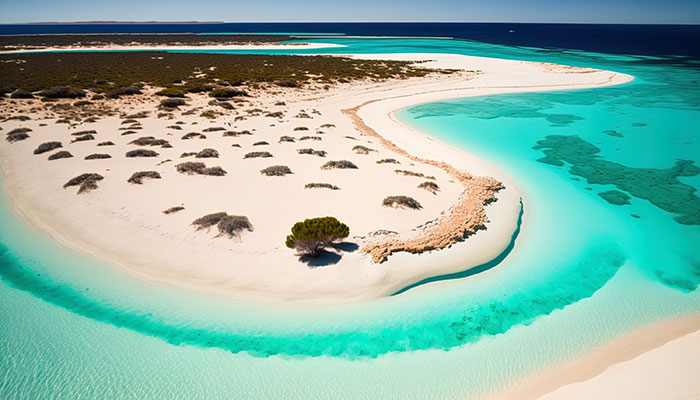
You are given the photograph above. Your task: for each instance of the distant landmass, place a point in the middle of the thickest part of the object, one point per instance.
(121, 23)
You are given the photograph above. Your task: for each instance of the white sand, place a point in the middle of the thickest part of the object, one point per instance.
(123, 224)
(659, 361)
(668, 372)
(290, 46)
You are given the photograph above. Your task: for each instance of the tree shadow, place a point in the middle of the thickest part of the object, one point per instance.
(324, 259)
(347, 247)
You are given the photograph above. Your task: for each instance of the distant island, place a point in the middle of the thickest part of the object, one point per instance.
(120, 23)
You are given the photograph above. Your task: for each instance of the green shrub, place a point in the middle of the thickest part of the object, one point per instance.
(432, 187)
(207, 153)
(137, 177)
(59, 155)
(320, 153)
(171, 92)
(388, 161)
(362, 150)
(97, 156)
(311, 236)
(21, 94)
(321, 186)
(48, 146)
(276, 170)
(263, 143)
(86, 182)
(62, 92)
(230, 225)
(286, 139)
(342, 164)
(258, 154)
(227, 92)
(18, 134)
(411, 173)
(108, 143)
(172, 102)
(141, 153)
(172, 210)
(401, 202)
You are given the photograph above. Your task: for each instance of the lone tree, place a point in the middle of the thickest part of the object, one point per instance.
(312, 235)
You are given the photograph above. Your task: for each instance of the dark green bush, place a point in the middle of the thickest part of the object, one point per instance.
(172, 102)
(108, 143)
(321, 186)
(320, 153)
(362, 150)
(137, 177)
(230, 225)
(141, 153)
(48, 146)
(342, 164)
(388, 161)
(171, 92)
(59, 155)
(276, 170)
(401, 202)
(258, 154)
(411, 173)
(97, 156)
(86, 182)
(432, 187)
(62, 92)
(286, 139)
(311, 236)
(207, 153)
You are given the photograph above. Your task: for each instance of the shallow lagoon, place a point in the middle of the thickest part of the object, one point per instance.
(583, 271)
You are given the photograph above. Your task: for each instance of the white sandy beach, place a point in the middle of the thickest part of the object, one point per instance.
(136, 47)
(659, 361)
(124, 224)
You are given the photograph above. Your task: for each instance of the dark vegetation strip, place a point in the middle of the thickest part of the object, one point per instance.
(11, 42)
(113, 72)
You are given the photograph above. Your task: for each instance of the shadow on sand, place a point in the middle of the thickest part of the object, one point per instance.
(330, 257)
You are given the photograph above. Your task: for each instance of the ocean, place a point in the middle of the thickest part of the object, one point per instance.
(609, 244)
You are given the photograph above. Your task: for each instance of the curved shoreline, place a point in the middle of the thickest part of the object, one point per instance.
(402, 269)
(233, 47)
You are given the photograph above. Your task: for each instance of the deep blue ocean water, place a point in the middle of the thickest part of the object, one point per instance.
(683, 40)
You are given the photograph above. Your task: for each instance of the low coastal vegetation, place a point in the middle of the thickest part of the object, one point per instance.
(286, 139)
(137, 177)
(59, 155)
(141, 153)
(230, 225)
(207, 153)
(57, 75)
(362, 150)
(48, 146)
(401, 202)
(311, 236)
(97, 156)
(100, 40)
(173, 210)
(18, 134)
(86, 182)
(151, 141)
(321, 186)
(198, 168)
(258, 154)
(411, 173)
(276, 170)
(342, 164)
(432, 187)
(320, 153)
(192, 135)
(107, 143)
(388, 161)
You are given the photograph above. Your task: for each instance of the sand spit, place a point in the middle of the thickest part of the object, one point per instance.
(132, 230)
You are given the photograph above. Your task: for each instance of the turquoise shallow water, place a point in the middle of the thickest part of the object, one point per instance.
(584, 269)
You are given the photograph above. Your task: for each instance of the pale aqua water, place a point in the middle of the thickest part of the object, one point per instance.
(584, 269)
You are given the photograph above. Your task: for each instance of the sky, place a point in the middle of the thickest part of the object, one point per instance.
(572, 11)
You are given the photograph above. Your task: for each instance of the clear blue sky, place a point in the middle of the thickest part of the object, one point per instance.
(577, 11)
